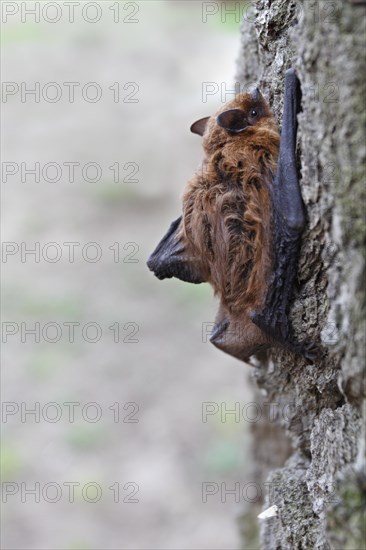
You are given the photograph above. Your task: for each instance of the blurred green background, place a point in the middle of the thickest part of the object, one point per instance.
(169, 372)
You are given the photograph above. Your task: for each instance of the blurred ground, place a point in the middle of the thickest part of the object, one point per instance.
(169, 372)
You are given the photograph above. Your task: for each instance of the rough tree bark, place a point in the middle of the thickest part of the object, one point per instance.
(318, 483)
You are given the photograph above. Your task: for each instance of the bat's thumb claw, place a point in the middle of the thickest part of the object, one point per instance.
(291, 72)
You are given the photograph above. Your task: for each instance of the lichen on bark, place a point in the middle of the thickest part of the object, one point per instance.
(321, 481)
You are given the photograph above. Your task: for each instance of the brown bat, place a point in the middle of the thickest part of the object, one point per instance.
(241, 224)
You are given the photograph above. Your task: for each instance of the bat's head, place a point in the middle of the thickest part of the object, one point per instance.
(240, 119)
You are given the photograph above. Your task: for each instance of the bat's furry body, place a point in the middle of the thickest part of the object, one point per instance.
(240, 228)
(226, 209)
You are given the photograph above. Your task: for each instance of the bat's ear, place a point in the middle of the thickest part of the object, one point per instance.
(173, 258)
(233, 120)
(199, 126)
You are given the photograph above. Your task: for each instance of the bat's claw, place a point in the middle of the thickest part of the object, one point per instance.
(310, 351)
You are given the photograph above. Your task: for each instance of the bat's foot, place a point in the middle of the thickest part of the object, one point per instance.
(309, 350)
(273, 323)
(278, 327)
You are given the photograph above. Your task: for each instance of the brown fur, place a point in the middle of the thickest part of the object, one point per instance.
(226, 217)
(226, 208)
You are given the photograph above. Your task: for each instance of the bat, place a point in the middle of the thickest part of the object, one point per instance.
(241, 224)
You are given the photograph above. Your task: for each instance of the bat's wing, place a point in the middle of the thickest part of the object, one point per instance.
(288, 222)
(238, 337)
(173, 258)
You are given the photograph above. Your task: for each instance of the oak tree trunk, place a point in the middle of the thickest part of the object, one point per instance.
(313, 455)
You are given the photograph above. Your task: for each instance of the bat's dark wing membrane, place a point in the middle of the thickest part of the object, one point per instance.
(171, 258)
(239, 338)
(288, 223)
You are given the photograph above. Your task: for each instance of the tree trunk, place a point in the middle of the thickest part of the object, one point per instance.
(319, 483)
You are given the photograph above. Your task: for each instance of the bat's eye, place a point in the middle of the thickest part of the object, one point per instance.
(253, 113)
